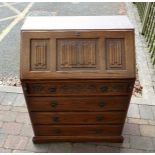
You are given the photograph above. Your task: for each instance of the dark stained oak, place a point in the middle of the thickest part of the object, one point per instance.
(78, 53)
(80, 130)
(77, 75)
(75, 138)
(79, 88)
(78, 117)
(104, 103)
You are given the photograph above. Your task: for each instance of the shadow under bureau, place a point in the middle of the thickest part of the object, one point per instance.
(77, 74)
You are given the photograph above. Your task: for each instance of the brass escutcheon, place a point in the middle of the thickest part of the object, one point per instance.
(54, 104)
(102, 104)
(56, 119)
(99, 118)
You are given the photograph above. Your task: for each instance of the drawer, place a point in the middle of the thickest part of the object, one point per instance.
(78, 117)
(80, 130)
(72, 88)
(104, 103)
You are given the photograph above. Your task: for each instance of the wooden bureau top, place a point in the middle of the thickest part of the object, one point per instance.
(77, 47)
(76, 22)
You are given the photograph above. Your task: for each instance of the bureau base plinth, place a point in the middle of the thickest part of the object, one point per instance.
(46, 139)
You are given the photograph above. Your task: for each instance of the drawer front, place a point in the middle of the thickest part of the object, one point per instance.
(78, 103)
(64, 88)
(80, 130)
(78, 117)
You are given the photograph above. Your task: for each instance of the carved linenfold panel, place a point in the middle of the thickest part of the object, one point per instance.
(115, 54)
(77, 54)
(39, 54)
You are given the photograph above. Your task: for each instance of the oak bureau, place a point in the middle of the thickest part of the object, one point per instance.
(77, 74)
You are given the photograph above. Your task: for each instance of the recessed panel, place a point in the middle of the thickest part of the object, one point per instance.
(39, 52)
(115, 54)
(77, 54)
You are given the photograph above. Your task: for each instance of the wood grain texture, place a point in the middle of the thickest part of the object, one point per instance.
(76, 71)
(75, 138)
(77, 54)
(39, 59)
(80, 130)
(78, 103)
(77, 110)
(78, 117)
(115, 54)
(76, 76)
(79, 88)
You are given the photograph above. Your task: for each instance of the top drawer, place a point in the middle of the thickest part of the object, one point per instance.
(78, 88)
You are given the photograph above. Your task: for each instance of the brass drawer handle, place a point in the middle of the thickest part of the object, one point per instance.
(99, 131)
(99, 118)
(52, 89)
(57, 131)
(102, 104)
(54, 104)
(104, 88)
(56, 119)
(77, 33)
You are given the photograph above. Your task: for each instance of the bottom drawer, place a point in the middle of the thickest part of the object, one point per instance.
(80, 130)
